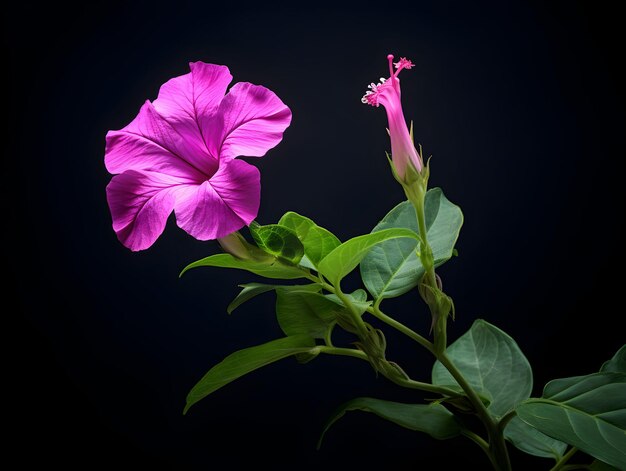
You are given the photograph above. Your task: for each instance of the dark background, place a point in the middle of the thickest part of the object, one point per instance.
(521, 106)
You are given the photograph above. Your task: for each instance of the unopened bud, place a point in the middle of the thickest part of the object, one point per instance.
(236, 245)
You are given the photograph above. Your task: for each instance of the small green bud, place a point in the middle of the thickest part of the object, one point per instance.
(440, 304)
(236, 245)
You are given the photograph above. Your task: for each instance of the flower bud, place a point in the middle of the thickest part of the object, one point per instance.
(406, 159)
(236, 245)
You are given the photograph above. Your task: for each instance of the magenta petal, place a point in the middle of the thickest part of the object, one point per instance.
(239, 184)
(251, 120)
(189, 101)
(178, 154)
(140, 204)
(151, 143)
(222, 205)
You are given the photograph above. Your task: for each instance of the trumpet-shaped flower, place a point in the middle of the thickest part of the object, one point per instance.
(387, 93)
(179, 154)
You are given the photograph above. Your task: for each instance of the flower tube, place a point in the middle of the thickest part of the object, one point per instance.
(387, 93)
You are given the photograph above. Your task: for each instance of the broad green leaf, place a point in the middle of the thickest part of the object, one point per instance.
(244, 361)
(279, 241)
(433, 419)
(304, 312)
(588, 412)
(345, 258)
(268, 270)
(532, 441)
(250, 290)
(492, 363)
(617, 364)
(317, 241)
(393, 268)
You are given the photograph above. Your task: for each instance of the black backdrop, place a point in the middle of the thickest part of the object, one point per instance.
(521, 106)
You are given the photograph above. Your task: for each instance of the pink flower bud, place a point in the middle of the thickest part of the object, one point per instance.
(387, 93)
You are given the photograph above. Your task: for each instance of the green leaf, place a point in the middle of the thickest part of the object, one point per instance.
(393, 268)
(492, 363)
(588, 412)
(244, 361)
(304, 312)
(345, 258)
(617, 364)
(317, 241)
(279, 241)
(274, 269)
(433, 419)
(250, 290)
(532, 441)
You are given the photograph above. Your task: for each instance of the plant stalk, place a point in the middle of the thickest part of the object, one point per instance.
(497, 445)
(564, 459)
(439, 311)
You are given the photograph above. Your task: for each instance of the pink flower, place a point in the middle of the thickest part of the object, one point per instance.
(179, 154)
(387, 93)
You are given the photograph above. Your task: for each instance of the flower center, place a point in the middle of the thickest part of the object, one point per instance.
(371, 96)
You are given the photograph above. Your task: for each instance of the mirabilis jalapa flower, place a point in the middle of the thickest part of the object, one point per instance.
(387, 93)
(179, 154)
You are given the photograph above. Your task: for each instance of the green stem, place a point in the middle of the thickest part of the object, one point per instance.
(417, 195)
(356, 316)
(426, 253)
(376, 312)
(346, 352)
(480, 441)
(407, 383)
(497, 445)
(504, 421)
(481, 410)
(411, 384)
(564, 459)
(498, 452)
(498, 448)
(328, 335)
